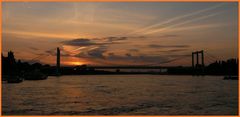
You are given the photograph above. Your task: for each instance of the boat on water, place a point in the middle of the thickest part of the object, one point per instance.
(35, 75)
(230, 78)
(14, 79)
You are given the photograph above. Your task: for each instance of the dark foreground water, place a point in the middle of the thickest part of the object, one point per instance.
(122, 95)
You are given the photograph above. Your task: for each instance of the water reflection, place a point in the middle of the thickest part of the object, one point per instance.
(122, 95)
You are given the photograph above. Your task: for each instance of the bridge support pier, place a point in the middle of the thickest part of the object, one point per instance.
(58, 62)
(198, 67)
(197, 54)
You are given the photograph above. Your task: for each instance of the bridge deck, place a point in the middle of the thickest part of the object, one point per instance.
(132, 67)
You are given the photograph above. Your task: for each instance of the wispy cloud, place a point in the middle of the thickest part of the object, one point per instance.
(173, 50)
(81, 42)
(168, 46)
(94, 41)
(39, 34)
(90, 47)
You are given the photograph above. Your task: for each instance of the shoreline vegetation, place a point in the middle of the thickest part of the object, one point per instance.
(14, 70)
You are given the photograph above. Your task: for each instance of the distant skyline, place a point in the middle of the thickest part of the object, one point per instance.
(119, 33)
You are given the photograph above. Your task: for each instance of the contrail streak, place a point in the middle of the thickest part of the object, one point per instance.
(177, 18)
(182, 23)
(197, 27)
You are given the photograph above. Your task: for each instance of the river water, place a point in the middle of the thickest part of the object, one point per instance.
(122, 95)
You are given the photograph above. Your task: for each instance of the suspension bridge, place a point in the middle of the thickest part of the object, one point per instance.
(193, 60)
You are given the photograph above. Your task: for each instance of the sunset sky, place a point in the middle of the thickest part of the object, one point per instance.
(118, 33)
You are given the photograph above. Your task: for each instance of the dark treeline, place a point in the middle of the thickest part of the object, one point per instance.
(11, 66)
(229, 67)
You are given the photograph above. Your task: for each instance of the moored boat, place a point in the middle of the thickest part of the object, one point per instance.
(230, 78)
(35, 75)
(14, 79)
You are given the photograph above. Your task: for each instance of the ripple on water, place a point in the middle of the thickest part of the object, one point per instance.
(122, 95)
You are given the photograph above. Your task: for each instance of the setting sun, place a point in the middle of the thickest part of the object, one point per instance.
(75, 63)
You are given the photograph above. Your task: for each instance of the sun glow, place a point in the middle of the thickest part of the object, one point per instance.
(75, 63)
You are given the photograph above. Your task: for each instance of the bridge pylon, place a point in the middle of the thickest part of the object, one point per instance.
(198, 67)
(198, 57)
(58, 62)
